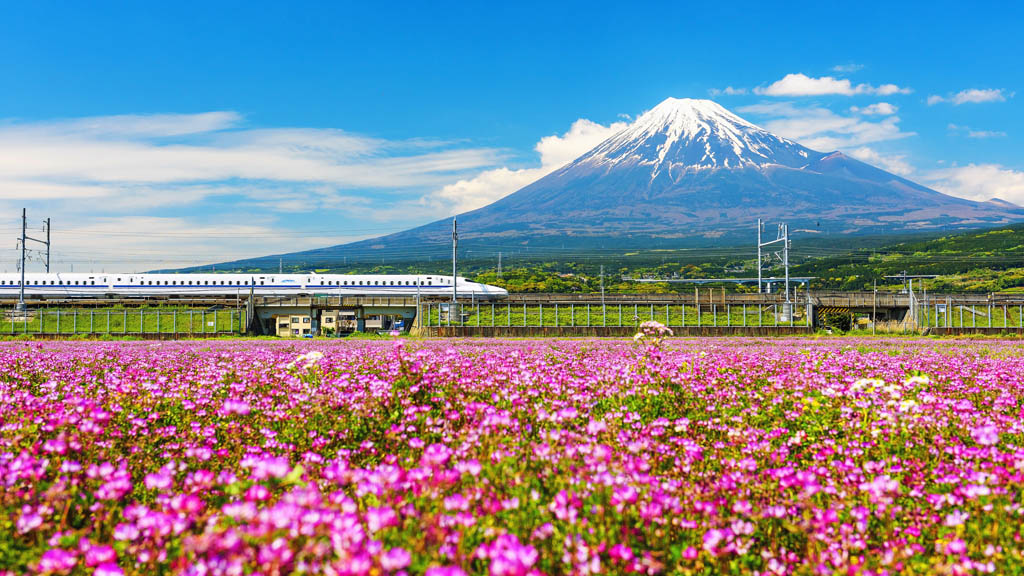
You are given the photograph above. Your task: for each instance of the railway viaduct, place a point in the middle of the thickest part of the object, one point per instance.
(705, 311)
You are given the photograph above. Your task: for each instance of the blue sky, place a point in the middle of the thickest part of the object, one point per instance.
(196, 132)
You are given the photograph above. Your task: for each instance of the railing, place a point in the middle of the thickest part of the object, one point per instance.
(124, 322)
(535, 315)
(950, 312)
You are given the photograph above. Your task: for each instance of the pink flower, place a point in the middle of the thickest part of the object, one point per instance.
(379, 518)
(956, 547)
(620, 552)
(108, 569)
(161, 480)
(508, 556)
(97, 555)
(57, 561)
(444, 571)
(395, 559)
(436, 455)
(712, 538)
(987, 435)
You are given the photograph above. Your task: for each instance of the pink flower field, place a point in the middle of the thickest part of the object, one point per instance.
(710, 456)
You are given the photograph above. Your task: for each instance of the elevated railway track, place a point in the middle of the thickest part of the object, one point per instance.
(703, 311)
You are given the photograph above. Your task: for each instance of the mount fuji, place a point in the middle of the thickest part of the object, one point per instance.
(691, 173)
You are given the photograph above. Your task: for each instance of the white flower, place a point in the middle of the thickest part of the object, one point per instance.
(307, 360)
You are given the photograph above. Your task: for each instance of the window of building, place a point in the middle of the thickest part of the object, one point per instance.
(295, 331)
(295, 318)
(305, 320)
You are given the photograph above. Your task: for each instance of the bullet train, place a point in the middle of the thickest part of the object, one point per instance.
(72, 285)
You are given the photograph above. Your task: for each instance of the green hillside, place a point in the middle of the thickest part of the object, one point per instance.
(980, 261)
(986, 261)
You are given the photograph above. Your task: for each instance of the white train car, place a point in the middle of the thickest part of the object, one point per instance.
(112, 285)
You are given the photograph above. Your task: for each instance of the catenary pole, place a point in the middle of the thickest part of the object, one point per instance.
(758, 255)
(47, 245)
(21, 293)
(455, 277)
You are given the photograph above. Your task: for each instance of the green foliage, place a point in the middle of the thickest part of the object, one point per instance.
(841, 321)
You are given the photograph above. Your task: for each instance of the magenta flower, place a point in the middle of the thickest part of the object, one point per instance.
(108, 569)
(57, 561)
(395, 559)
(97, 555)
(986, 435)
(444, 571)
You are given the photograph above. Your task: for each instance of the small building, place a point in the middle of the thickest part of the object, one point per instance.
(338, 321)
(293, 326)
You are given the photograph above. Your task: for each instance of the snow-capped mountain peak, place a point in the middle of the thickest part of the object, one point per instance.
(682, 135)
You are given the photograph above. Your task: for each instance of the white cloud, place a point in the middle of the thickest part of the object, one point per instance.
(555, 151)
(897, 164)
(803, 85)
(728, 91)
(135, 170)
(985, 134)
(979, 182)
(132, 150)
(977, 134)
(847, 68)
(878, 109)
(972, 96)
(822, 129)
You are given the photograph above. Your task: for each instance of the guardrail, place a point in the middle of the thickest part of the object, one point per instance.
(182, 323)
(618, 315)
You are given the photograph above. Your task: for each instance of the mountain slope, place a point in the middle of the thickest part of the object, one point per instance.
(691, 173)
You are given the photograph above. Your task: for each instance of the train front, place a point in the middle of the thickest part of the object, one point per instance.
(481, 291)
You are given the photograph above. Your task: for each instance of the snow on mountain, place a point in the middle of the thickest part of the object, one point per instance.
(683, 135)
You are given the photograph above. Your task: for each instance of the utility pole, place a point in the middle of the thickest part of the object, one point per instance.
(47, 245)
(21, 293)
(455, 278)
(759, 256)
(602, 291)
(785, 263)
(499, 264)
(24, 239)
(280, 265)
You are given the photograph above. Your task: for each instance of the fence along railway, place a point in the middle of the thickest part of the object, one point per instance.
(702, 312)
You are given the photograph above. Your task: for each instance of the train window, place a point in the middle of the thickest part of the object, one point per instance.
(261, 282)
